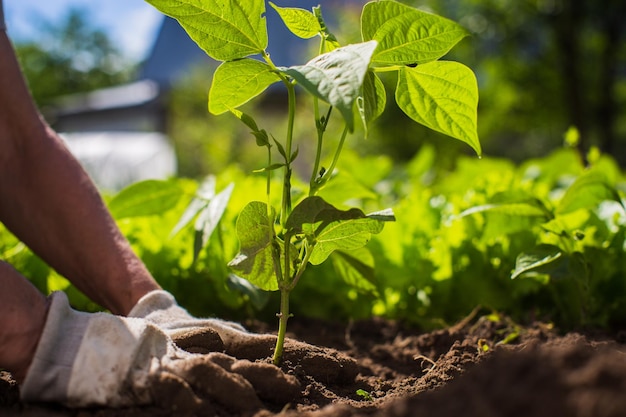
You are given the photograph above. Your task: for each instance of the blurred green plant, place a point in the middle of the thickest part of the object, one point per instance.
(553, 223)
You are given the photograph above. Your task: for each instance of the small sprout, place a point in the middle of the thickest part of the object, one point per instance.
(509, 338)
(364, 394)
(483, 346)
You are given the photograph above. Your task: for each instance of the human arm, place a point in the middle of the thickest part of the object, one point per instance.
(50, 203)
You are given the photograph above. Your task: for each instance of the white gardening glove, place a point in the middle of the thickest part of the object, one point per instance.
(99, 359)
(198, 335)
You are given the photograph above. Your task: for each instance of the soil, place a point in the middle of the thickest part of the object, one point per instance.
(480, 367)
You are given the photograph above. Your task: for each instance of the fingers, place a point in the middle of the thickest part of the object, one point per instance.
(197, 339)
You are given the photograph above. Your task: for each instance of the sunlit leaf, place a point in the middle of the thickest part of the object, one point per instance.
(590, 189)
(330, 229)
(205, 192)
(237, 82)
(373, 100)
(336, 77)
(509, 209)
(210, 215)
(255, 260)
(330, 42)
(536, 260)
(225, 30)
(442, 96)
(407, 35)
(145, 198)
(300, 22)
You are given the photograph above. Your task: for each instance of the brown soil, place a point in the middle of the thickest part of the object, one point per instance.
(477, 368)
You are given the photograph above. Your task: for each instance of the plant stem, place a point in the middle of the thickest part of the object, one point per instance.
(303, 264)
(321, 128)
(283, 317)
(286, 202)
(337, 152)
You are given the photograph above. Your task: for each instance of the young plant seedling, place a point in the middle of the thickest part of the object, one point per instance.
(276, 245)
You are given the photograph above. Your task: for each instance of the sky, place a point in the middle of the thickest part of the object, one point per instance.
(131, 24)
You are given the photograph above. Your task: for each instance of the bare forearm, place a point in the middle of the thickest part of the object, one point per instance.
(50, 203)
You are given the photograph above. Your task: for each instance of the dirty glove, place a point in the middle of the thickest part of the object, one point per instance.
(198, 335)
(87, 359)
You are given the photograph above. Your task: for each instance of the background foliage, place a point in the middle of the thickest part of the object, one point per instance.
(434, 265)
(543, 67)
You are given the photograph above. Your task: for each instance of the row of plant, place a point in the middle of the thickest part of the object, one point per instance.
(541, 240)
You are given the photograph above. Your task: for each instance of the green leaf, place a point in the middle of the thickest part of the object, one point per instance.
(237, 82)
(269, 168)
(536, 260)
(300, 22)
(336, 77)
(245, 118)
(255, 260)
(210, 215)
(225, 30)
(442, 96)
(145, 198)
(407, 35)
(373, 99)
(260, 135)
(329, 41)
(510, 212)
(356, 268)
(589, 190)
(258, 297)
(329, 229)
(205, 192)
(510, 209)
(344, 234)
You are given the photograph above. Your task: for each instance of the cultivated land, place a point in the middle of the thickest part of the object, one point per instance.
(464, 370)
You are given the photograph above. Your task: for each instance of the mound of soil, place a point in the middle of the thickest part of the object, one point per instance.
(481, 368)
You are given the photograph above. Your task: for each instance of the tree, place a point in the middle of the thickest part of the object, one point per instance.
(71, 57)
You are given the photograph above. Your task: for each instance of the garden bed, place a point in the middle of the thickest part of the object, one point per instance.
(464, 370)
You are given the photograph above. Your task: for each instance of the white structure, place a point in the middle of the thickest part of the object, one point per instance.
(117, 159)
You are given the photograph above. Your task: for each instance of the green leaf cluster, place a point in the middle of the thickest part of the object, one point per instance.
(441, 95)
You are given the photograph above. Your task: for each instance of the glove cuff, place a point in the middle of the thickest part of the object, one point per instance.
(156, 300)
(50, 371)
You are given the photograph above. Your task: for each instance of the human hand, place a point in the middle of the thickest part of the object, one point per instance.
(100, 359)
(200, 335)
